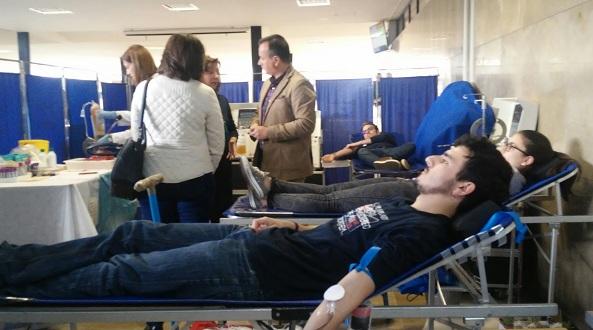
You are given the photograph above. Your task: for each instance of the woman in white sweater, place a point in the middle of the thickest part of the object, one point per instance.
(184, 132)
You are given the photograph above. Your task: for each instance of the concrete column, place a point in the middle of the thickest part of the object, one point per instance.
(24, 50)
(255, 37)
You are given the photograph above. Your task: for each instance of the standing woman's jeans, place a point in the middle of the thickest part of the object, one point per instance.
(187, 201)
(339, 197)
(137, 259)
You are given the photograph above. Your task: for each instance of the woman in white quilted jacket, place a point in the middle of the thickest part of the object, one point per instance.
(184, 133)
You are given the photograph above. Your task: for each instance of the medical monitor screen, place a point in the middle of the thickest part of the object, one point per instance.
(379, 37)
(245, 116)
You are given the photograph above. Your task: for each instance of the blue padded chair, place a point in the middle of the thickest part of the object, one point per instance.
(450, 116)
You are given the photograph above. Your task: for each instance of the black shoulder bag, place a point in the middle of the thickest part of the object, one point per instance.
(130, 160)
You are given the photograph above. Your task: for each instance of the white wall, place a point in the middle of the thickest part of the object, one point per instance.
(540, 51)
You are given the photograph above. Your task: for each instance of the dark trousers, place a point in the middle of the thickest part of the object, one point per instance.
(187, 201)
(223, 190)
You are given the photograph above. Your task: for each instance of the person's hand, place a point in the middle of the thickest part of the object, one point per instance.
(260, 224)
(328, 158)
(259, 132)
(232, 148)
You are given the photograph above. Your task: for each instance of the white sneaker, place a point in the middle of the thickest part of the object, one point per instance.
(254, 178)
(252, 200)
(388, 164)
(405, 164)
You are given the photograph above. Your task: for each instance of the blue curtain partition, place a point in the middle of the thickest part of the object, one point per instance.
(79, 93)
(235, 92)
(404, 102)
(344, 105)
(114, 98)
(10, 112)
(46, 112)
(257, 84)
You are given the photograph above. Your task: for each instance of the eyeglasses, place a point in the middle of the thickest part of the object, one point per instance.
(507, 145)
(368, 130)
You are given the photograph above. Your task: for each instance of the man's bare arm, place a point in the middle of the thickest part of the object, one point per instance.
(358, 286)
(337, 155)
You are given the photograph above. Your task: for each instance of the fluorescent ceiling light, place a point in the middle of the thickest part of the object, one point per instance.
(51, 11)
(197, 30)
(312, 3)
(180, 7)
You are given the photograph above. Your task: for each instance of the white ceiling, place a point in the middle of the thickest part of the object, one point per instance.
(326, 40)
(109, 18)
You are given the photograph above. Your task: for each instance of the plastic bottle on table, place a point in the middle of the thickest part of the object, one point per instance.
(42, 158)
(52, 159)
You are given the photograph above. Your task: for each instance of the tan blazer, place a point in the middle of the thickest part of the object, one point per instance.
(290, 120)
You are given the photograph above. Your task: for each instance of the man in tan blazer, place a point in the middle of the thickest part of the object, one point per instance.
(286, 114)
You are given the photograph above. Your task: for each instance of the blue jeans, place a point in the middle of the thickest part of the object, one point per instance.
(340, 197)
(137, 259)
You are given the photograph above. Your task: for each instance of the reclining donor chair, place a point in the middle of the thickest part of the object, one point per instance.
(474, 245)
(455, 112)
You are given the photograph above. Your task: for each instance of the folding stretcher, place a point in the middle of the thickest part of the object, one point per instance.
(554, 220)
(241, 213)
(125, 309)
(553, 182)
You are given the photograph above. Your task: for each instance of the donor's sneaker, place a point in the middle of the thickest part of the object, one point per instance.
(387, 164)
(405, 164)
(257, 180)
(254, 202)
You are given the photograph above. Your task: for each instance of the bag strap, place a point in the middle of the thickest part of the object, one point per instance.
(142, 128)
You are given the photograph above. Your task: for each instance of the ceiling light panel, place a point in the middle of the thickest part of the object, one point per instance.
(180, 6)
(51, 11)
(312, 3)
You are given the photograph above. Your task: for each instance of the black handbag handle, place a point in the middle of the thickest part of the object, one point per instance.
(142, 128)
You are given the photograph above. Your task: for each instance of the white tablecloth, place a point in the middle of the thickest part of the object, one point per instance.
(49, 210)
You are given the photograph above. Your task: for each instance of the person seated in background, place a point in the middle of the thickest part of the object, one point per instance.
(139, 66)
(376, 149)
(527, 151)
(272, 259)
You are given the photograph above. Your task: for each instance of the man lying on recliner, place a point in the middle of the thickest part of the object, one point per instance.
(272, 259)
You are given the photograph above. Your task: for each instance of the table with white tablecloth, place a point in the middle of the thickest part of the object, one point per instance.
(50, 209)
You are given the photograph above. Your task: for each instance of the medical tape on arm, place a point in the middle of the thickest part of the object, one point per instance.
(366, 259)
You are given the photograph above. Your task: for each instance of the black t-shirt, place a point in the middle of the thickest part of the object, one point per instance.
(291, 265)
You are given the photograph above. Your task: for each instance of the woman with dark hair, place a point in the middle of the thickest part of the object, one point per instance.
(531, 155)
(224, 171)
(184, 132)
